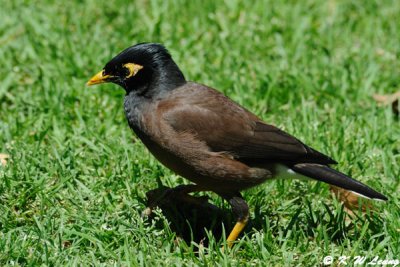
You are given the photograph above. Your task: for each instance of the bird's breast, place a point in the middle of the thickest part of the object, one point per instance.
(133, 108)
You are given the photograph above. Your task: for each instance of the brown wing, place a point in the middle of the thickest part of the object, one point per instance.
(225, 126)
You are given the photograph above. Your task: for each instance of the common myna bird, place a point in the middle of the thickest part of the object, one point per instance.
(207, 138)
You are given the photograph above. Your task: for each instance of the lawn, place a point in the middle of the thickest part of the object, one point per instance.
(74, 186)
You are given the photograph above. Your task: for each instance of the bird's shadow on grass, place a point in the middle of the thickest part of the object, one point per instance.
(191, 217)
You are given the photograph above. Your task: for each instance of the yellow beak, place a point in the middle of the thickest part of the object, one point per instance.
(98, 78)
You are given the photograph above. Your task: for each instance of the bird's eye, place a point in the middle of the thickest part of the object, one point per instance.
(131, 69)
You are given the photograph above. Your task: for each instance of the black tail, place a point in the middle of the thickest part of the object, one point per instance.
(325, 174)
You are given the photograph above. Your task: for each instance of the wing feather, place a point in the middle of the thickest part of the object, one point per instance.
(227, 127)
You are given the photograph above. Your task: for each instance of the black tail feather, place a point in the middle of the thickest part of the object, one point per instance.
(325, 174)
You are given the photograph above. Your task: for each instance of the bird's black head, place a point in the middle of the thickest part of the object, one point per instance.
(146, 69)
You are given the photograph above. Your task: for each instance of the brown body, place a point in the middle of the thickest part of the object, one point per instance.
(183, 131)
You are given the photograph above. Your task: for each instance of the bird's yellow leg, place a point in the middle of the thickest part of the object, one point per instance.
(241, 211)
(239, 226)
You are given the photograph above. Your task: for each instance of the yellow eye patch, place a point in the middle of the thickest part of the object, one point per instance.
(132, 68)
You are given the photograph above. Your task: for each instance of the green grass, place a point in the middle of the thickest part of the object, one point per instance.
(74, 188)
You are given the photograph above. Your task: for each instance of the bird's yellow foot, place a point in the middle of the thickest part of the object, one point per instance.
(239, 226)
